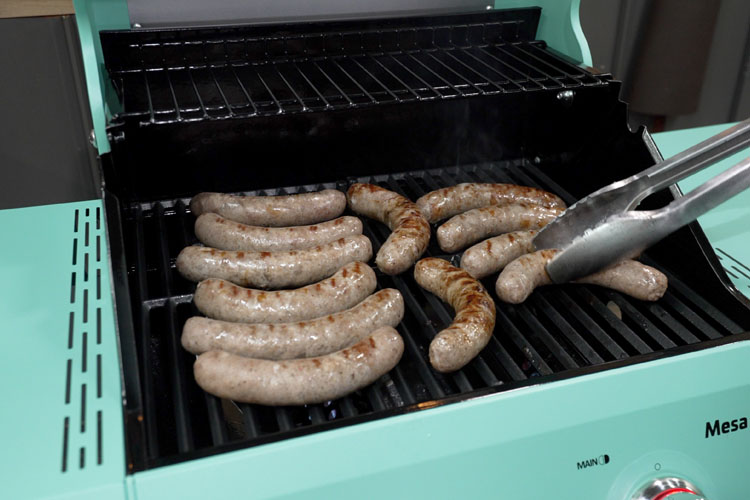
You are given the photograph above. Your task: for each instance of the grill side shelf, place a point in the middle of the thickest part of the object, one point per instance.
(61, 354)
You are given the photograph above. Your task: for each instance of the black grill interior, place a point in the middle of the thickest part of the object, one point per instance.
(557, 332)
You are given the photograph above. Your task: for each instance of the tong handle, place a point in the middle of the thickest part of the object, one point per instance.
(710, 194)
(690, 161)
(624, 195)
(627, 234)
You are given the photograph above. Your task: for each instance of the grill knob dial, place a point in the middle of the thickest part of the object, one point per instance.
(668, 488)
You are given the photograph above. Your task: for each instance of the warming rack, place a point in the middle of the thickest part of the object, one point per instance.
(165, 77)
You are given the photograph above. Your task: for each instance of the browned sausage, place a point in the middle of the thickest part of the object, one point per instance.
(223, 300)
(523, 275)
(215, 231)
(290, 210)
(493, 254)
(299, 381)
(474, 321)
(447, 202)
(410, 231)
(304, 339)
(273, 269)
(480, 223)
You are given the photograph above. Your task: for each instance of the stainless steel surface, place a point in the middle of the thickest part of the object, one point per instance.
(658, 488)
(602, 228)
(566, 96)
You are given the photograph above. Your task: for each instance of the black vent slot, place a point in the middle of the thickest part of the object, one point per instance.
(82, 383)
(167, 76)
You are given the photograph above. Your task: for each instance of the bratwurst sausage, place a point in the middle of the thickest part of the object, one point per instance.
(453, 200)
(477, 224)
(299, 381)
(493, 254)
(410, 230)
(223, 300)
(474, 321)
(304, 339)
(523, 275)
(273, 269)
(215, 231)
(290, 210)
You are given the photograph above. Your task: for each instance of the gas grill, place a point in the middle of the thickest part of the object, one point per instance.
(582, 392)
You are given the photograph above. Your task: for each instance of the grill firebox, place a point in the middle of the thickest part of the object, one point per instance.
(559, 332)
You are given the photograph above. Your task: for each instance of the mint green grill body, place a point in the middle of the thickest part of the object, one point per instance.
(596, 436)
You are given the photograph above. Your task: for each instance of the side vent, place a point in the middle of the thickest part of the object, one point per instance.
(83, 420)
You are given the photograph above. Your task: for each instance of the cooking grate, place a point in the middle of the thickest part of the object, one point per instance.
(559, 332)
(174, 76)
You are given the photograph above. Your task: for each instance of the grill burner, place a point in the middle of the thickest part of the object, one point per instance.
(559, 332)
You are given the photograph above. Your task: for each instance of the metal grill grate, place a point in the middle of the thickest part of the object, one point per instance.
(165, 80)
(554, 334)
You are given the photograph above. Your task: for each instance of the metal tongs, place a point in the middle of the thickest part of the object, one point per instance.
(602, 228)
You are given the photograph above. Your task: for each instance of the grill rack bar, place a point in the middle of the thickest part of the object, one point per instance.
(149, 402)
(558, 330)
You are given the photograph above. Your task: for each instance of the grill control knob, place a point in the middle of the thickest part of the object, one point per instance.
(668, 488)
